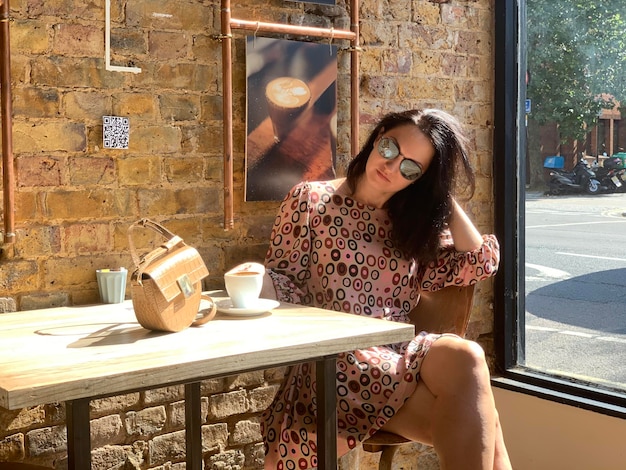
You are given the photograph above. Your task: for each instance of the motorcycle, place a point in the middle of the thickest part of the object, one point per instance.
(581, 178)
(611, 175)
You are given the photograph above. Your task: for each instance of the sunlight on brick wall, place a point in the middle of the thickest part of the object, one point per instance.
(75, 199)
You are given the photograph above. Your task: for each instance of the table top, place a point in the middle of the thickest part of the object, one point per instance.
(67, 353)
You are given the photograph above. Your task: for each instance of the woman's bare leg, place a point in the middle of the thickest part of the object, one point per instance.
(501, 458)
(453, 408)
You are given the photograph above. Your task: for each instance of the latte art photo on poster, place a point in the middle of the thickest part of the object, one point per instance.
(287, 98)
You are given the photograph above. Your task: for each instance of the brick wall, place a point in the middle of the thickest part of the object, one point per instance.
(75, 199)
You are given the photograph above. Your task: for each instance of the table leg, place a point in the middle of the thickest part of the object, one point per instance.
(326, 371)
(78, 434)
(193, 426)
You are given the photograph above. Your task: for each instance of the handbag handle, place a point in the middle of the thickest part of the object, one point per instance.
(171, 241)
(205, 315)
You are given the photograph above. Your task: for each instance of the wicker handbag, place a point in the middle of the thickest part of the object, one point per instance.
(166, 286)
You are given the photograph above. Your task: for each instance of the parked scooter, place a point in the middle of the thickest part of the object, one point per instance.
(611, 175)
(581, 178)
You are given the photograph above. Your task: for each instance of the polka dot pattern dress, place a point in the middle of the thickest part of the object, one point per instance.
(332, 252)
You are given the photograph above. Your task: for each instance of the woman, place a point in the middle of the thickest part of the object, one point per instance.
(367, 245)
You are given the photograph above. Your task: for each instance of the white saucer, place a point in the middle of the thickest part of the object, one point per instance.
(262, 305)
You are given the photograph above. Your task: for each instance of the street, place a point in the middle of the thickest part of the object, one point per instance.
(576, 286)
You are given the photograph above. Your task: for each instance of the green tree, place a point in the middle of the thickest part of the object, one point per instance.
(576, 57)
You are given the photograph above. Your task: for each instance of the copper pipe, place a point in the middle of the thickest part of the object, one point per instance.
(260, 26)
(354, 79)
(227, 106)
(8, 176)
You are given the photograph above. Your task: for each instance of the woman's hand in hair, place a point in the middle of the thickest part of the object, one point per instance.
(465, 235)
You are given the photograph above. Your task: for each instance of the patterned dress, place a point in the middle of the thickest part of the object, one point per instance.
(332, 252)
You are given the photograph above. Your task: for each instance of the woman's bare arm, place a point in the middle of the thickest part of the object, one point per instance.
(465, 235)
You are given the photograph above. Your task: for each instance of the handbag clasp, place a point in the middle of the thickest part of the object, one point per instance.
(186, 287)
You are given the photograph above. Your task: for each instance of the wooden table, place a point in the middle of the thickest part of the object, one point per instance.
(76, 354)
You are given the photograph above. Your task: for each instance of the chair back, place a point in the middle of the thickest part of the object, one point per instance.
(447, 310)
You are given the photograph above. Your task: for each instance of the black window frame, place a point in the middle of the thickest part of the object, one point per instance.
(509, 193)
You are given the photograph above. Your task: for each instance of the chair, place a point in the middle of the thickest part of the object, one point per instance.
(444, 311)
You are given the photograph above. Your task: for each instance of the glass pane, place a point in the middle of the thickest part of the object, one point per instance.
(575, 233)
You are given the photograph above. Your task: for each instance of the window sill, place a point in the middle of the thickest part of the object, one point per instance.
(584, 396)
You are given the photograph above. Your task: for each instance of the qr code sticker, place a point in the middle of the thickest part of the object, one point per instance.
(115, 132)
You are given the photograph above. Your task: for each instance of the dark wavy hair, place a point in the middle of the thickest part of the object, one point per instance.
(420, 212)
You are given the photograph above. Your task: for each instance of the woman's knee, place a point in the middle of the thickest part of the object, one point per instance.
(453, 358)
(454, 349)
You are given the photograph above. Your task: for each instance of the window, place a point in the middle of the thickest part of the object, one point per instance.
(536, 349)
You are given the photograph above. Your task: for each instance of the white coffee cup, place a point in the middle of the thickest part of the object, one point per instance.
(244, 283)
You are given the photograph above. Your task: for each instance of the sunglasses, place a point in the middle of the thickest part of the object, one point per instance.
(389, 149)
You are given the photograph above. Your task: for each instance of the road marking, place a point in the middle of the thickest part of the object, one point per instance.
(608, 339)
(590, 256)
(543, 328)
(577, 223)
(547, 272)
(576, 333)
(612, 339)
(615, 213)
(558, 211)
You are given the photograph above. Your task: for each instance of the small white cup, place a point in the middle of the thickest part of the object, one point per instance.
(244, 284)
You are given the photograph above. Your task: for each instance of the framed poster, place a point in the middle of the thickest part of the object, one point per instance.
(291, 123)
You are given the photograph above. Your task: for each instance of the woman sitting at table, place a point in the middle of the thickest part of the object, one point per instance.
(368, 245)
